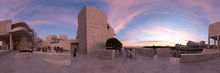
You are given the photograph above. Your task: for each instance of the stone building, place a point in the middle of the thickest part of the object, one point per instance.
(38, 42)
(93, 29)
(214, 33)
(193, 44)
(54, 41)
(16, 35)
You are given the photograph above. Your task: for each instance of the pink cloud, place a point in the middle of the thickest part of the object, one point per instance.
(121, 23)
(200, 3)
(167, 34)
(122, 12)
(12, 8)
(50, 16)
(38, 22)
(209, 7)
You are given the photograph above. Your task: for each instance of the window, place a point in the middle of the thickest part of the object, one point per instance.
(0, 43)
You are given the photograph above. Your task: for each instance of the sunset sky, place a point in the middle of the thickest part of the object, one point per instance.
(136, 22)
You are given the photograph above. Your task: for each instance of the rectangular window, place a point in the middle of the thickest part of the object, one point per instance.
(0, 43)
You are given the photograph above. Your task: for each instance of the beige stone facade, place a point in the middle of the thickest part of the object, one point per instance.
(214, 33)
(16, 35)
(163, 52)
(93, 29)
(54, 41)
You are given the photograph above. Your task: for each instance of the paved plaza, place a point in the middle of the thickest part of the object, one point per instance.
(90, 64)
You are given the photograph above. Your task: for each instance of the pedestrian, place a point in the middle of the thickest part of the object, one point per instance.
(74, 52)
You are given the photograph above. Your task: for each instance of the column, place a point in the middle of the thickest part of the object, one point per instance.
(113, 54)
(217, 42)
(208, 43)
(11, 42)
(214, 44)
(3, 44)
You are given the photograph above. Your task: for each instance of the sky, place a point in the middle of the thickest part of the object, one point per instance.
(135, 22)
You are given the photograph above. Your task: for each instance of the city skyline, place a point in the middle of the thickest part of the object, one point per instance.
(136, 23)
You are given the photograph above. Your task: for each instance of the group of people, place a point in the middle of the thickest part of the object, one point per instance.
(130, 53)
(44, 49)
(58, 49)
(48, 49)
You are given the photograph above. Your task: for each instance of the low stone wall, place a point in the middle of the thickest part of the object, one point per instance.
(163, 52)
(52, 53)
(4, 52)
(63, 59)
(145, 51)
(199, 57)
(103, 54)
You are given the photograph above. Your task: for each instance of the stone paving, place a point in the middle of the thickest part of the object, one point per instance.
(89, 64)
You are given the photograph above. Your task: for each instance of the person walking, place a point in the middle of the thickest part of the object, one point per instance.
(74, 52)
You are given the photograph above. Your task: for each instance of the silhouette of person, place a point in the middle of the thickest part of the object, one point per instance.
(74, 52)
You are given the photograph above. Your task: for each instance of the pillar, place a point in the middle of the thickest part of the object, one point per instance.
(208, 43)
(214, 44)
(113, 54)
(3, 45)
(11, 42)
(217, 42)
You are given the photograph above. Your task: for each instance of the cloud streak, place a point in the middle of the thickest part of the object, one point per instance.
(167, 34)
(122, 12)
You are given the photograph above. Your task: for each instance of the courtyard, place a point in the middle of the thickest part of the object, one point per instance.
(91, 64)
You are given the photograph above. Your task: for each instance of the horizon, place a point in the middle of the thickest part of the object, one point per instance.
(136, 23)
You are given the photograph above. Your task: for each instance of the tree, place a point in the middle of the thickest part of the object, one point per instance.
(113, 44)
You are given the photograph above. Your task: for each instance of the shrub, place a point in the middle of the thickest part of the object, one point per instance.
(113, 44)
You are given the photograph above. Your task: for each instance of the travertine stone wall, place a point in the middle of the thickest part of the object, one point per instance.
(163, 52)
(63, 37)
(145, 51)
(5, 27)
(66, 45)
(214, 29)
(93, 29)
(52, 38)
(63, 42)
(185, 58)
(104, 54)
(81, 32)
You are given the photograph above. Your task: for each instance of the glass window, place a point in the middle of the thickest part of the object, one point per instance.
(0, 43)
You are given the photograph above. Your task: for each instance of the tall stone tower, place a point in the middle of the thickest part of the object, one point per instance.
(93, 29)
